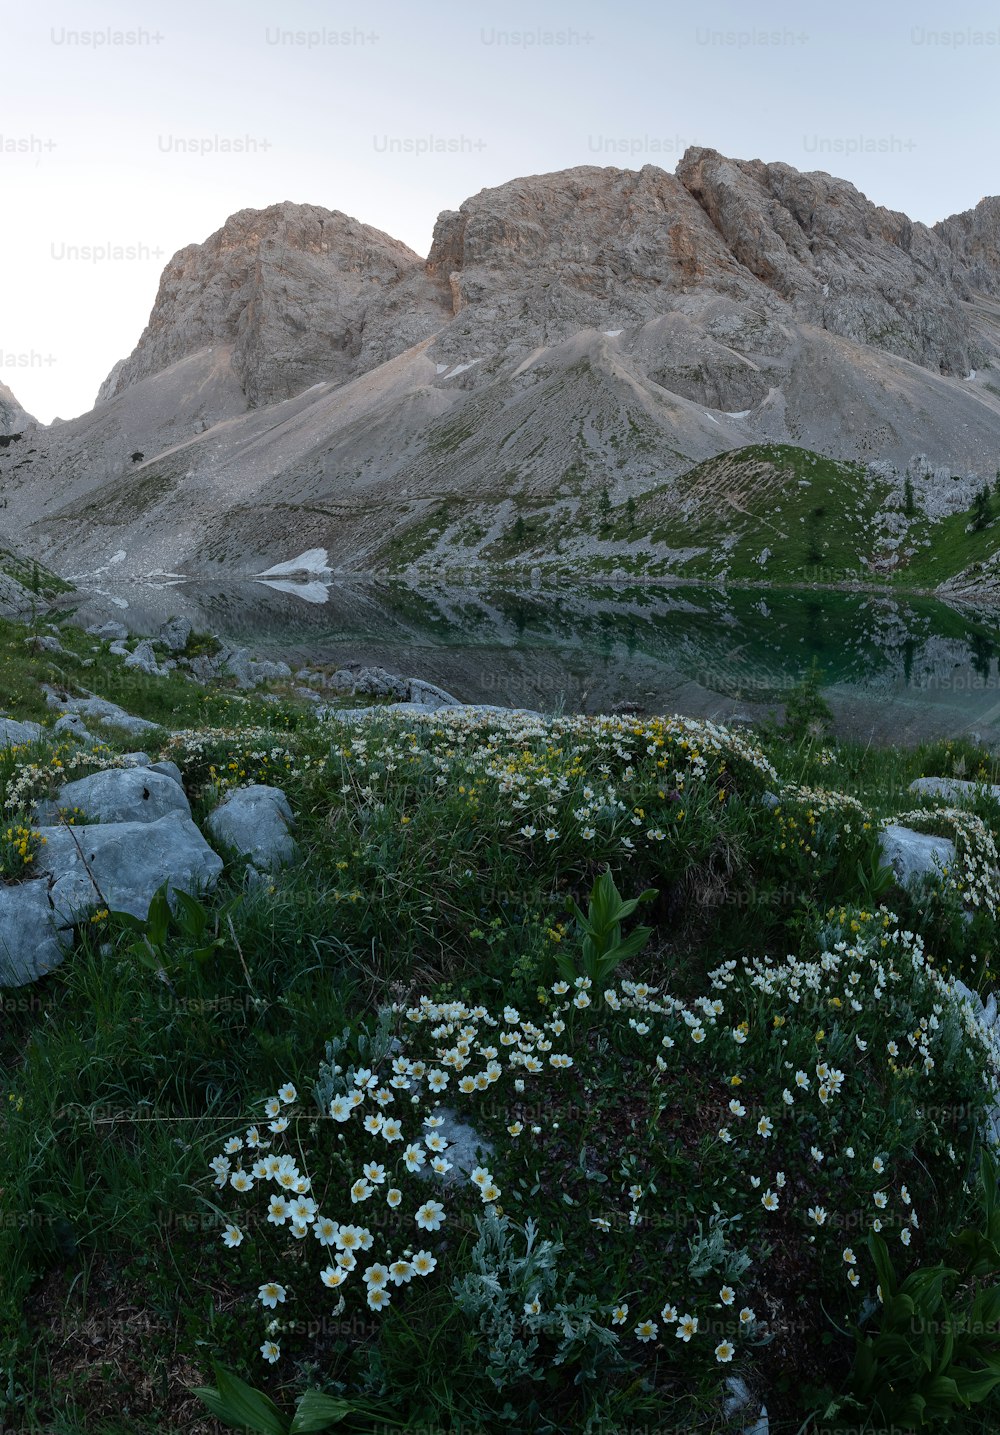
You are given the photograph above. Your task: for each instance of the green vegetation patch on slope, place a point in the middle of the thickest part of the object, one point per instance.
(966, 543)
(813, 515)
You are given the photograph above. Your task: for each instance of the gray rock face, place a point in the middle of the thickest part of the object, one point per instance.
(734, 302)
(175, 634)
(98, 710)
(122, 864)
(254, 821)
(289, 288)
(13, 419)
(974, 239)
(31, 944)
(129, 794)
(914, 855)
(951, 789)
(17, 734)
(544, 256)
(144, 659)
(842, 262)
(15, 600)
(112, 631)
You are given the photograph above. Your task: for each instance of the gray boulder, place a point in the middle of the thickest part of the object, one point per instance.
(169, 769)
(31, 944)
(72, 725)
(44, 643)
(371, 683)
(120, 794)
(951, 789)
(914, 855)
(248, 671)
(122, 864)
(98, 710)
(254, 821)
(175, 634)
(263, 671)
(17, 734)
(430, 695)
(144, 659)
(108, 630)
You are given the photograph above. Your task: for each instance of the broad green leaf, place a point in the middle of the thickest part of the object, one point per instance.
(239, 1405)
(318, 1412)
(975, 1385)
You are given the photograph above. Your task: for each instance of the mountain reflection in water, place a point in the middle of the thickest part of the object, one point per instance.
(894, 669)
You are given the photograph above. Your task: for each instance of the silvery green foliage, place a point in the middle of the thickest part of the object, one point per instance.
(371, 1050)
(712, 1253)
(504, 1280)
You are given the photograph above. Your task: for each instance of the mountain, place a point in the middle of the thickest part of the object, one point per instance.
(13, 418)
(574, 348)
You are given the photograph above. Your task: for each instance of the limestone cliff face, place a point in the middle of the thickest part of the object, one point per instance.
(974, 239)
(841, 262)
(13, 419)
(538, 259)
(289, 287)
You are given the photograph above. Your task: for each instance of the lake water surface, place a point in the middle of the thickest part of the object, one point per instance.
(894, 669)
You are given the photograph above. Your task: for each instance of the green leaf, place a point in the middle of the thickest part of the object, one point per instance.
(191, 916)
(974, 1386)
(318, 1412)
(239, 1405)
(941, 1388)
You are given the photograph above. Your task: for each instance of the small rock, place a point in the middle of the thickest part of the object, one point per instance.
(72, 725)
(99, 710)
(17, 734)
(466, 1148)
(914, 855)
(739, 1396)
(44, 643)
(31, 945)
(254, 821)
(108, 630)
(428, 694)
(175, 634)
(144, 658)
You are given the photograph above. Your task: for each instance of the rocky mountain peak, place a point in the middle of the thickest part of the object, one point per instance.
(288, 287)
(13, 418)
(842, 263)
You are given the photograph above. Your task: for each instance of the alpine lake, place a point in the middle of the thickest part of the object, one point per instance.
(894, 669)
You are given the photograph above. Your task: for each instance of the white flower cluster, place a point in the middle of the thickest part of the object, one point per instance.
(976, 879)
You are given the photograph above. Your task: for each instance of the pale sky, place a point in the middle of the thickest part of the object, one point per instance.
(334, 101)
